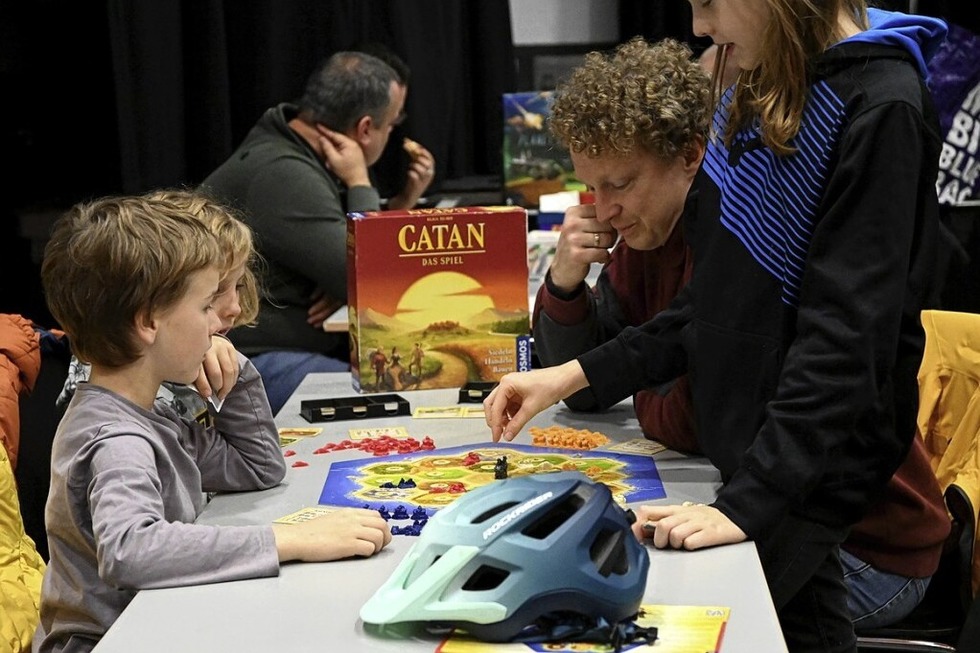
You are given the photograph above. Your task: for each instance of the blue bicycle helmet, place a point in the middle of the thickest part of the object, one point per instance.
(508, 556)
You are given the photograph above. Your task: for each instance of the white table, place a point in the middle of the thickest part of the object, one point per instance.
(314, 607)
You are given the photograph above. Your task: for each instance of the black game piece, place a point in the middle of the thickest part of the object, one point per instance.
(500, 469)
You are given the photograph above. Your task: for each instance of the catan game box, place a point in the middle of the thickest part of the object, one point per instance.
(437, 298)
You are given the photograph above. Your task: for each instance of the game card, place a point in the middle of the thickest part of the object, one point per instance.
(379, 432)
(300, 431)
(217, 403)
(438, 412)
(305, 514)
(640, 446)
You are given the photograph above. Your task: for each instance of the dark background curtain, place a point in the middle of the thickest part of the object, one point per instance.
(131, 95)
(192, 77)
(656, 20)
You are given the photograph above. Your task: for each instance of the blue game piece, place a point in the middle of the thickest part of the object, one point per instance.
(400, 513)
(406, 483)
(420, 513)
(384, 513)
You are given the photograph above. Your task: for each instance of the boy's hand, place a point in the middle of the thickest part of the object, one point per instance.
(689, 526)
(345, 533)
(219, 371)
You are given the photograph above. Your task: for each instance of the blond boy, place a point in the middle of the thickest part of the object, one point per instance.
(132, 281)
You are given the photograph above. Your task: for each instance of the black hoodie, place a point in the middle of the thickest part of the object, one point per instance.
(800, 328)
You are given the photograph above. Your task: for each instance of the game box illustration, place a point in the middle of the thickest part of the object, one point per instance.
(438, 477)
(534, 163)
(437, 298)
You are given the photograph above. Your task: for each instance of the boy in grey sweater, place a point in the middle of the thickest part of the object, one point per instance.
(132, 280)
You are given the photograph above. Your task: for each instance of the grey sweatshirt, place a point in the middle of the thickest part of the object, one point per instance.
(126, 487)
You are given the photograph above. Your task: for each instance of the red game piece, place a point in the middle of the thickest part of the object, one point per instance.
(381, 446)
(300, 463)
(287, 453)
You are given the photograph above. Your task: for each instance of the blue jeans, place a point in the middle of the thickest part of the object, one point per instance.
(876, 598)
(283, 371)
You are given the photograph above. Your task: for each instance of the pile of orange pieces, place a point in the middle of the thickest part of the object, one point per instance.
(566, 437)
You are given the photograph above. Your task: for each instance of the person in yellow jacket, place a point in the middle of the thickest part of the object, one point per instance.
(21, 567)
(949, 407)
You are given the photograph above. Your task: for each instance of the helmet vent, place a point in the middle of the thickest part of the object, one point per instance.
(485, 578)
(496, 510)
(556, 515)
(608, 552)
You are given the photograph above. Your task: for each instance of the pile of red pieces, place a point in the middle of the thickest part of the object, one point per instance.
(381, 446)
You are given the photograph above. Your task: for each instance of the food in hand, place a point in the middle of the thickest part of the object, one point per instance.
(413, 148)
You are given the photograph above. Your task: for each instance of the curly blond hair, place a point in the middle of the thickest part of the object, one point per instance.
(650, 96)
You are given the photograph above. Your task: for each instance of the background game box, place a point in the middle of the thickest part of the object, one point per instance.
(534, 162)
(437, 298)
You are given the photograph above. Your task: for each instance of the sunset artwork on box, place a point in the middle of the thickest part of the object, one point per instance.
(437, 297)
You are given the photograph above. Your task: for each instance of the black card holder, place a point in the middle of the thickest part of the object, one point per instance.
(356, 407)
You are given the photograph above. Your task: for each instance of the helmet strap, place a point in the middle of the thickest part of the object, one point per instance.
(569, 627)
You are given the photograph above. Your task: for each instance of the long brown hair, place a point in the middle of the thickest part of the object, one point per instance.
(775, 91)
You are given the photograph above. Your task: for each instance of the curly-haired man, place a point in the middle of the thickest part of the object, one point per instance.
(636, 123)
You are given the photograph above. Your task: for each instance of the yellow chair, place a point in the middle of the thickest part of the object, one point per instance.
(949, 407)
(21, 569)
(949, 424)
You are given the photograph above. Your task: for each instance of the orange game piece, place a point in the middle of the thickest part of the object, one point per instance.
(566, 437)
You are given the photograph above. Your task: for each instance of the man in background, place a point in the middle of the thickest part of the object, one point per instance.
(294, 178)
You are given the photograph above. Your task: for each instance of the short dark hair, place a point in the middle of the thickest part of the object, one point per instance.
(347, 86)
